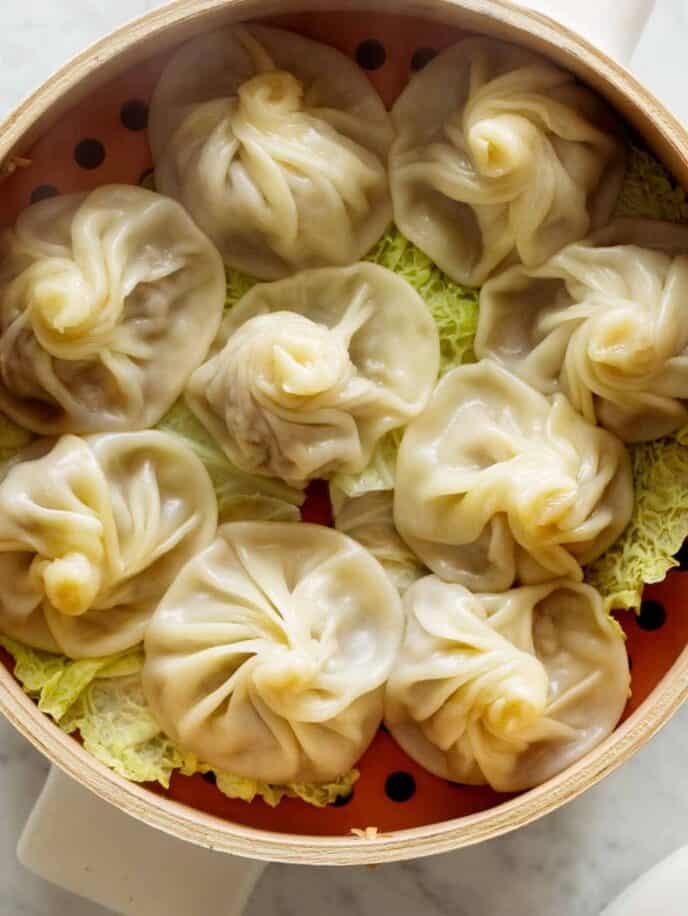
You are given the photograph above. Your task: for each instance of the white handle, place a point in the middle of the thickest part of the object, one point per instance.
(90, 848)
(663, 890)
(613, 27)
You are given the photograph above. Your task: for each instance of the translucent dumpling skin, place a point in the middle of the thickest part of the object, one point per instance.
(496, 484)
(277, 145)
(369, 519)
(499, 154)
(268, 656)
(310, 372)
(505, 689)
(92, 532)
(605, 322)
(108, 302)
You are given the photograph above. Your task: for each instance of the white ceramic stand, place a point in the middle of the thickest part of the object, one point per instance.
(661, 891)
(93, 849)
(122, 864)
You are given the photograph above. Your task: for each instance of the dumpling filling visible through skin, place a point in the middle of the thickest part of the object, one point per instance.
(92, 531)
(499, 155)
(304, 393)
(505, 689)
(605, 322)
(277, 146)
(268, 656)
(495, 484)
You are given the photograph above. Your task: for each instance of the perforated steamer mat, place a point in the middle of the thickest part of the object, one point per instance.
(104, 140)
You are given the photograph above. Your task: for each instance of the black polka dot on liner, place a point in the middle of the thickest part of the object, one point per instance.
(371, 54)
(134, 115)
(342, 800)
(89, 153)
(652, 615)
(210, 777)
(43, 192)
(400, 786)
(422, 57)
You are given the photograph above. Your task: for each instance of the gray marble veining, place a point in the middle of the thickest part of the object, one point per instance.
(568, 864)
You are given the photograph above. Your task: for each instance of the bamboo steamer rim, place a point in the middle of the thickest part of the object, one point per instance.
(160, 30)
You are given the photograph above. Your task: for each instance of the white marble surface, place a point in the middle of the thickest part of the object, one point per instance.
(569, 864)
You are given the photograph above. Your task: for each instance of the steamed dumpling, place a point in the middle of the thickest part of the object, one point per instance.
(268, 656)
(312, 371)
(499, 154)
(277, 145)
(108, 302)
(605, 322)
(92, 532)
(496, 484)
(505, 689)
(369, 519)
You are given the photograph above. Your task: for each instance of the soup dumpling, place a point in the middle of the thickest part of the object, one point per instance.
(500, 154)
(92, 531)
(507, 689)
(108, 302)
(309, 373)
(497, 484)
(268, 656)
(606, 322)
(277, 145)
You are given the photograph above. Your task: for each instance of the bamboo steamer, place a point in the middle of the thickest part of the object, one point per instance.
(156, 34)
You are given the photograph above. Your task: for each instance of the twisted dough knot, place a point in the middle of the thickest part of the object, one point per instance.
(71, 582)
(269, 95)
(499, 145)
(547, 490)
(621, 342)
(504, 698)
(70, 317)
(303, 359)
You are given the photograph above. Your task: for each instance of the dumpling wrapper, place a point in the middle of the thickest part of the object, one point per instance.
(92, 532)
(309, 373)
(108, 302)
(605, 322)
(496, 484)
(369, 519)
(506, 689)
(268, 656)
(499, 154)
(277, 145)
